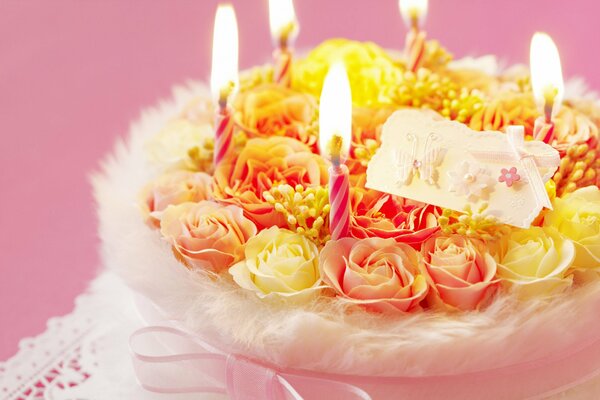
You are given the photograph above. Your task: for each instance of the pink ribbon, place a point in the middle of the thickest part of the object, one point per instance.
(170, 360)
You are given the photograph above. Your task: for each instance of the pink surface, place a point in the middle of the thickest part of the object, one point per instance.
(74, 73)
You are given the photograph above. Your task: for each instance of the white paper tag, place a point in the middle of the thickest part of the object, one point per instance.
(445, 163)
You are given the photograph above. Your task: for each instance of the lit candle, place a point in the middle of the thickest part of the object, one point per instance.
(284, 29)
(335, 127)
(224, 77)
(414, 13)
(547, 84)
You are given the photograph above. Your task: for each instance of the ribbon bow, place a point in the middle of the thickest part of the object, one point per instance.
(170, 360)
(529, 162)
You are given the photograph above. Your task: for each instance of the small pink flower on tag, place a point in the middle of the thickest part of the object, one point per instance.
(509, 176)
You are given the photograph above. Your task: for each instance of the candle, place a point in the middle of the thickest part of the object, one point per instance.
(335, 127)
(284, 29)
(414, 12)
(547, 84)
(224, 77)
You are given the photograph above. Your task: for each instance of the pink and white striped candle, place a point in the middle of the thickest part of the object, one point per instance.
(282, 73)
(339, 201)
(415, 49)
(223, 134)
(414, 12)
(543, 130)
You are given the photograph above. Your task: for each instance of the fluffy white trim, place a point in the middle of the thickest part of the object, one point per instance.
(321, 336)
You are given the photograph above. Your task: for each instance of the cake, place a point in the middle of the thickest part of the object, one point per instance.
(249, 258)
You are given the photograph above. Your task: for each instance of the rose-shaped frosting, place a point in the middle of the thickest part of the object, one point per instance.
(379, 274)
(536, 261)
(462, 273)
(275, 110)
(207, 235)
(577, 216)
(262, 164)
(171, 189)
(381, 215)
(279, 263)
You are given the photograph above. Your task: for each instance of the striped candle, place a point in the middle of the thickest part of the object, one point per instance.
(282, 73)
(543, 130)
(339, 201)
(415, 49)
(223, 134)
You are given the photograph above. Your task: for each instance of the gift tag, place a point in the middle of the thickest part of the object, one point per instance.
(445, 163)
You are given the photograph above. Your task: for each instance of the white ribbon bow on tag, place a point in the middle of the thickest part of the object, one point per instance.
(529, 163)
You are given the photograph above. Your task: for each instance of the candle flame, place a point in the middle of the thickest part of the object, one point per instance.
(282, 20)
(335, 113)
(413, 11)
(224, 74)
(546, 73)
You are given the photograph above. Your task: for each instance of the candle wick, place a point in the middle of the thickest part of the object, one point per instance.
(335, 150)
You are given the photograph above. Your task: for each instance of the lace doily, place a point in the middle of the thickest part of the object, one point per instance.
(85, 355)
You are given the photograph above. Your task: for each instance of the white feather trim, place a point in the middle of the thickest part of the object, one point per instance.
(323, 336)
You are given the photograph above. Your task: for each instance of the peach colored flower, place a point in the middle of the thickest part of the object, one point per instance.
(207, 235)
(367, 124)
(461, 272)
(171, 189)
(274, 110)
(262, 164)
(376, 273)
(375, 214)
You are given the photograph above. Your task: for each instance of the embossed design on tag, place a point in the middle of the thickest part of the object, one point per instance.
(411, 164)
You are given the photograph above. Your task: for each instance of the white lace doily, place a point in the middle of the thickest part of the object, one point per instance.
(85, 355)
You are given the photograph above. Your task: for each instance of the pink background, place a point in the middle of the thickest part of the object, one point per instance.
(74, 73)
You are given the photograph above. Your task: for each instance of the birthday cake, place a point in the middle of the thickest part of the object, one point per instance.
(360, 223)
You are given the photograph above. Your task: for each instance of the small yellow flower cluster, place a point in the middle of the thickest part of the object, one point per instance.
(436, 56)
(256, 76)
(306, 209)
(472, 224)
(427, 89)
(580, 167)
(364, 152)
(200, 158)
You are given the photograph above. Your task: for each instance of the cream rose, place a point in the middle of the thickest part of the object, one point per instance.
(171, 189)
(536, 261)
(577, 216)
(279, 263)
(378, 274)
(207, 235)
(461, 271)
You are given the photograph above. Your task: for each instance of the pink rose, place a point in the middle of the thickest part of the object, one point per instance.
(461, 272)
(207, 235)
(171, 189)
(378, 274)
(375, 214)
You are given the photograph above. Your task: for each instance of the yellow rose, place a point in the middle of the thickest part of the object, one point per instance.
(371, 71)
(577, 216)
(279, 263)
(535, 262)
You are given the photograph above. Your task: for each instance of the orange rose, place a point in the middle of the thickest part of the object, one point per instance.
(367, 124)
(378, 274)
(207, 235)
(461, 272)
(262, 164)
(381, 215)
(171, 189)
(274, 110)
